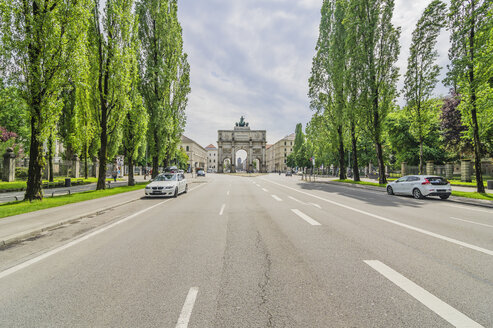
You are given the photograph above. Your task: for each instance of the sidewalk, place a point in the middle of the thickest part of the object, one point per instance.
(455, 199)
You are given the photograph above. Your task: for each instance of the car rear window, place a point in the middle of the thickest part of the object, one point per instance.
(437, 180)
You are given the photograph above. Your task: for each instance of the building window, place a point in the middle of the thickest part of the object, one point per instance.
(284, 143)
(188, 148)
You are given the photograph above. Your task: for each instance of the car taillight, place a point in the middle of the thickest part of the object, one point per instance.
(426, 182)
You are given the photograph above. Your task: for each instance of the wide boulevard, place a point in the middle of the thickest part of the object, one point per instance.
(264, 251)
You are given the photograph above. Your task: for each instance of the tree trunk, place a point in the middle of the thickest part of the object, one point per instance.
(33, 190)
(131, 180)
(103, 154)
(86, 173)
(382, 179)
(342, 173)
(50, 158)
(475, 127)
(155, 166)
(421, 154)
(355, 153)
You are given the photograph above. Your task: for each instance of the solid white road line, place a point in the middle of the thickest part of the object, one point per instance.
(426, 232)
(429, 300)
(305, 217)
(472, 208)
(186, 311)
(265, 190)
(481, 224)
(41, 257)
(222, 209)
(276, 198)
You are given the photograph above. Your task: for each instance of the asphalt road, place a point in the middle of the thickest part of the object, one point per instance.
(268, 251)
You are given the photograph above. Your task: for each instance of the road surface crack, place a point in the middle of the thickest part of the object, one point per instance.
(264, 283)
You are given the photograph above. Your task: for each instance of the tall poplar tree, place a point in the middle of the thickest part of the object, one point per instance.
(470, 25)
(371, 21)
(422, 71)
(135, 124)
(110, 40)
(164, 75)
(40, 38)
(327, 83)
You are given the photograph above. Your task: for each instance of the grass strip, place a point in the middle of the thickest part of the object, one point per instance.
(16, 185)
(375, 184)
(20, 207)
(475, 195)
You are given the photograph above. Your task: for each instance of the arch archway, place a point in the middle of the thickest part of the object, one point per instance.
(226, 165)
(241, 160)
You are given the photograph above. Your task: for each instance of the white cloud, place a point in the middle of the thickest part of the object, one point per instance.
(253, 58)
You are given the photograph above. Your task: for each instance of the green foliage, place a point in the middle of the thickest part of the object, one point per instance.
(14, 114)
(290, 161)
(165, 76)
(471, 23)
(422, 72)
(21, 173)
(182, 159)
(404, 147)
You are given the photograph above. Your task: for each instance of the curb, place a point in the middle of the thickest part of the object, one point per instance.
(17, 238)
(455, 199)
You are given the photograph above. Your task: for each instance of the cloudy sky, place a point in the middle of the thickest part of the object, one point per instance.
(253, 58)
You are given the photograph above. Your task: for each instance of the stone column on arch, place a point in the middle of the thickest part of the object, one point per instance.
(233, 159)
(220, 159)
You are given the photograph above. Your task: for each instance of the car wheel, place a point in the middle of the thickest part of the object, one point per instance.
(390, 191)
(417, 193)
(186, 189)
(176, 192)
(444, 196)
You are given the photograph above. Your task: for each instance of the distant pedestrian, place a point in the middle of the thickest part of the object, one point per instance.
(115, 174)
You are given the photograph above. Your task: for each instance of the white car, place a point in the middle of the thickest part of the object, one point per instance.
(167, 184)
(420, 186)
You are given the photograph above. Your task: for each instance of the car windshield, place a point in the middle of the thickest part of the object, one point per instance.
(166, 177)
(437, 180)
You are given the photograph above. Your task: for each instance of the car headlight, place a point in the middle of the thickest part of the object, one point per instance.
(169, 187)
(148, 187)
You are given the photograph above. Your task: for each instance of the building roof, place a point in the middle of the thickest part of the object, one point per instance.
(185, 139)
(210, 147)
(268, 146)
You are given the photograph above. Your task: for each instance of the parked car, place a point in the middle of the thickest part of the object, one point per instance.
(201, 173)
(289, 173)
(420, 186)
(167, 184)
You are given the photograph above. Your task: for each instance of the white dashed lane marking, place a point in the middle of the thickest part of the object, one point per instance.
(187, 309)
(276, 198)
(305, 217)
(447, 312)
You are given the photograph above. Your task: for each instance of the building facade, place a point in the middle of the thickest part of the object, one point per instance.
(212, 160)
(197, 155)
(278, 153)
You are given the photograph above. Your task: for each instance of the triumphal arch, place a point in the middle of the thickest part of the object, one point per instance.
(242, 138)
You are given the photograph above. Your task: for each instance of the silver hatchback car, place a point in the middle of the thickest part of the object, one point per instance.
(420, 186)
